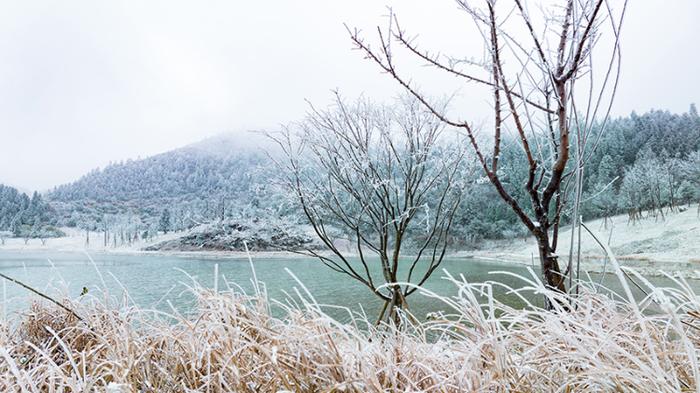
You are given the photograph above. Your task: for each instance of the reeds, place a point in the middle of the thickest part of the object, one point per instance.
(232, 342)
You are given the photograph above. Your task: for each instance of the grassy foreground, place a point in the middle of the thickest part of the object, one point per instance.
(233, 343)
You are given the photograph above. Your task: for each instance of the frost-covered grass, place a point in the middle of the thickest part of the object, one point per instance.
(232, 342)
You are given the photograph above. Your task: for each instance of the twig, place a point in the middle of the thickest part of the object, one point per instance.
(56, 302)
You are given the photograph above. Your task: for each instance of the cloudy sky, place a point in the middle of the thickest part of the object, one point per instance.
(83, 83)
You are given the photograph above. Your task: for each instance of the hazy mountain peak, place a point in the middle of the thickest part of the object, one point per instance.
(230, 144)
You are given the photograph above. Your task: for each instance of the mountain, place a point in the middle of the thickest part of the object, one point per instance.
(218, 177)
(644, 162)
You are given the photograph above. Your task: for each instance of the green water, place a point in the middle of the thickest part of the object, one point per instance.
(155, 281)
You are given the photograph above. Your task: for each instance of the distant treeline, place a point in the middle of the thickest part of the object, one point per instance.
(22, 216)
(643, 165)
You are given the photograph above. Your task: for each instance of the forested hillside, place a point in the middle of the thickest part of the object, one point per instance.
(22, 216)
(198, 183)
(643, 165)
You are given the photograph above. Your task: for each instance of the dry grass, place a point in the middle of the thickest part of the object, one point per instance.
(232, 343)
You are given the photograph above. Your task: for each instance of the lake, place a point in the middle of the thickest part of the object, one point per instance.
(153, 280)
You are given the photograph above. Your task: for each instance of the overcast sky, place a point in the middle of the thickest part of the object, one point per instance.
(83, 83)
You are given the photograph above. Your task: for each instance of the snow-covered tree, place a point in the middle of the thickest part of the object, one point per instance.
(534, 55)
(382, 179)
(164, 221)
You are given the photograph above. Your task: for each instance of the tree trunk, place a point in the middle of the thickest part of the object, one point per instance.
(395, 306)
(549, 263)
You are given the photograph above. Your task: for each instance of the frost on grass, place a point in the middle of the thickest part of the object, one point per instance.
(232, 342)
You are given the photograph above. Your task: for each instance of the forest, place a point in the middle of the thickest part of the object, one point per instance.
(643, 166)
(22, 216)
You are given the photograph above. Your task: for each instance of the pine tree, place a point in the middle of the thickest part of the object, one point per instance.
(164, 222)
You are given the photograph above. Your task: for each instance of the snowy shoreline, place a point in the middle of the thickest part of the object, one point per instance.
(590, 264)
(650, 247)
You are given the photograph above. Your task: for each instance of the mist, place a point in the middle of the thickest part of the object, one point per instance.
(85, 83)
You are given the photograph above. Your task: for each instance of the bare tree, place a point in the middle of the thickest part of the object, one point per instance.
(222, 208)
(672, 168)
(691, 169)
(630, 196)
(380, 178)
(539, 69)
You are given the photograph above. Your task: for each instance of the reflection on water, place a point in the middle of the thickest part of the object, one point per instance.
(153, 281)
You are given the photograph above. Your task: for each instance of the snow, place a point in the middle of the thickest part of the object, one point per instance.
(671, 245)
(75, 241)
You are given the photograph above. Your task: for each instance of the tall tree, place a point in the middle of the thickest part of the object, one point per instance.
(535, 69)
(164, 221)
(691, 171)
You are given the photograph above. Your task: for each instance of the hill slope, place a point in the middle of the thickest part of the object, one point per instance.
(669, 243)
(212, 178)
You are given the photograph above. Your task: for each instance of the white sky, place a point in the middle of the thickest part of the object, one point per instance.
(86, 82)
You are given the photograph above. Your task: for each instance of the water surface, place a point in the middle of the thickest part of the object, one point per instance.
(154, 280)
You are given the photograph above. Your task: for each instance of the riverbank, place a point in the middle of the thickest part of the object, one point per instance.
(671, 245)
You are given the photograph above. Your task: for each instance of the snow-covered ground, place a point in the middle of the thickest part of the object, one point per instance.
(671, 244)
(76, 241)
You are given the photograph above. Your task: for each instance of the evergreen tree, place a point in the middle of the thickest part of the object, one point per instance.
(164, 222)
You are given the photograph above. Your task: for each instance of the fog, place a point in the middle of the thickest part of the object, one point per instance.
(83, 83)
